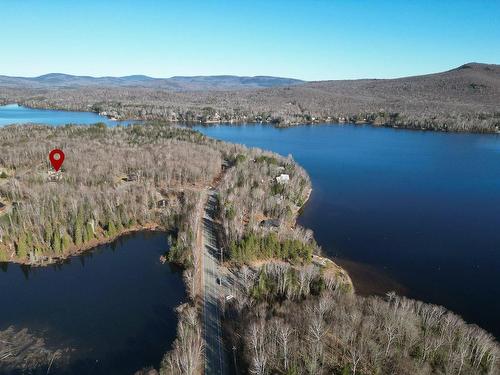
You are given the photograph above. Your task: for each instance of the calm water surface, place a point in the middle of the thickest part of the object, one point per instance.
(418, 212)
(114, 306)
(414, 211)
(15, 114)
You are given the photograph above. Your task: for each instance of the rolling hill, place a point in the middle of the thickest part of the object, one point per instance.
(179, 83)
(466, 98)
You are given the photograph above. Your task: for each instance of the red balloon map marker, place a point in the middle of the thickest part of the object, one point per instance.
(56, 157)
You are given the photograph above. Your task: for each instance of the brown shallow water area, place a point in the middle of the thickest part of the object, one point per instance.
(368, 280)
(22, 352)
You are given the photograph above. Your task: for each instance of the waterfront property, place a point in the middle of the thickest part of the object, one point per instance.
(392, 205)
(109, 310)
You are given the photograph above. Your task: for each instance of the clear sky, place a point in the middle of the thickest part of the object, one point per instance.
(310, 39)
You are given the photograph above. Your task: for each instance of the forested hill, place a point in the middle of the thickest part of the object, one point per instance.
(221, 82)
(473, 85)
(463, 99)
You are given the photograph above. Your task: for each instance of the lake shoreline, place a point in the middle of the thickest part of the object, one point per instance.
(133, 256)
(116, 117)
(89, 246)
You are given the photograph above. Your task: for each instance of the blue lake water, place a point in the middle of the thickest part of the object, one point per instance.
(15, 114)
(112, 306)
(414, 211)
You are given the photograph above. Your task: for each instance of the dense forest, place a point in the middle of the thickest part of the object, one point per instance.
(112, 180)
(293, 312)
(249, 196)
(258, 211)
(290, 321)
(297, 313)
(463, 99)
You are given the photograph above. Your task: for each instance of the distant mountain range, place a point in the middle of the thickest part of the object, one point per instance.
(178, 83)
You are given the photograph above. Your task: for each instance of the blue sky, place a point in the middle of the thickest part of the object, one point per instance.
(311, 39)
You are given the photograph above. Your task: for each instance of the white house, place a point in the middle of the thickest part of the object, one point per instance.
(283, 178)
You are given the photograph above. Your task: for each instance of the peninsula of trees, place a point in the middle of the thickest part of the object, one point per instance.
(295, 312)
(149, 176)
(292, 311)
(463, 99)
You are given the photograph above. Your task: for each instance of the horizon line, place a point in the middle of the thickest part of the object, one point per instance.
(236, 75)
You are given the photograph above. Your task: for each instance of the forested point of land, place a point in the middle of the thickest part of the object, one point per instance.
(146, 176)
(140, 176)
(465, 99)
(301, 320)
(292, 311)
(296, 313)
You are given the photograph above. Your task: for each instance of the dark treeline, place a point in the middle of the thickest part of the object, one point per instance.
(254, 247)
(463, 99)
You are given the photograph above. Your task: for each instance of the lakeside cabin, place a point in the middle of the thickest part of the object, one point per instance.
(54, 176)
(283, 178)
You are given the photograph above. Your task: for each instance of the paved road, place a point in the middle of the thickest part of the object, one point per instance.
(214, 351)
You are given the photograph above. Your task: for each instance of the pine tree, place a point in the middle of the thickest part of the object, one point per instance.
(79, 228)
(111, 229)
(89, 230)
(48, 233)
(56, 241)
(65, 242)
(22, 247)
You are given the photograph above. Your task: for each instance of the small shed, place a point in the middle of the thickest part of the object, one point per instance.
(54, 176)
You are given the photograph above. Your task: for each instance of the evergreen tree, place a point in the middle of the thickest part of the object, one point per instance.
(48, 233)
(56, 241)
(111, 229)
(65, 242)
(89, 231)
(79, 229)
(22, 247)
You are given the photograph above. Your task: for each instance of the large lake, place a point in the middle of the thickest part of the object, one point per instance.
(15, 114)
(414, 211)
(113, 307)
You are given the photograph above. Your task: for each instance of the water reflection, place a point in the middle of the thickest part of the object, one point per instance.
(113, 306)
